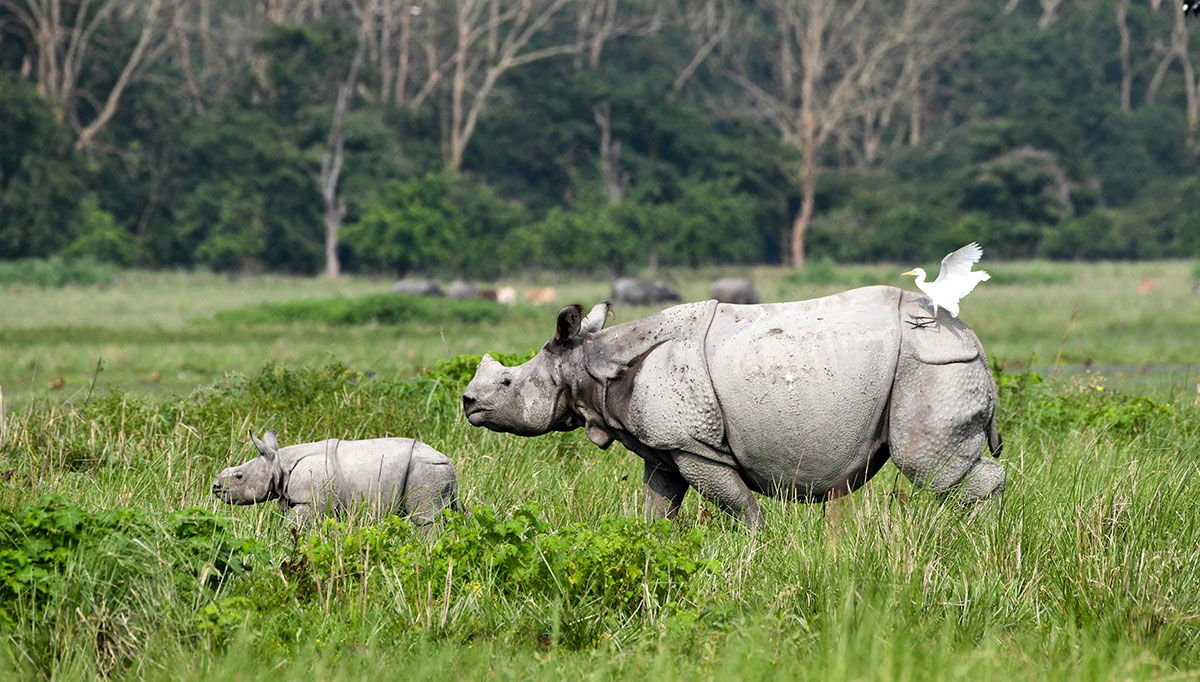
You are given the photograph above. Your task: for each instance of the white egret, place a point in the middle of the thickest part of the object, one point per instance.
(955, 280)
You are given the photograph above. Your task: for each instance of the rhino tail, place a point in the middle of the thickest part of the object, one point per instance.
(995, 442)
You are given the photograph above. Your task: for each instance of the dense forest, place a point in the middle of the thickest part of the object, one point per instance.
(491, 137)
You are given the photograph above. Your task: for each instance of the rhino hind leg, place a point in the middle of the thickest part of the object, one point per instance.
(723, 485)
(432, 487)
(939, 421)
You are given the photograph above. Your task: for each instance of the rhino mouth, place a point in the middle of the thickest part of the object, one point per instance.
(473, 411)
(226, 496)
(475, 416)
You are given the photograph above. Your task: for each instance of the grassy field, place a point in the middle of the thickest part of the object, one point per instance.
(159, 333)
(1089, 570)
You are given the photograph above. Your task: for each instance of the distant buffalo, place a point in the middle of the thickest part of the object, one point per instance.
(417, 287)
(459, 290)
(734, 290)
(642, 292)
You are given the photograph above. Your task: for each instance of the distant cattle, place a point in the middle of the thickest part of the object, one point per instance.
(642, 292)
(460, 290)
(734, 290)
(503, 295)
(541, 295)
(417, 287)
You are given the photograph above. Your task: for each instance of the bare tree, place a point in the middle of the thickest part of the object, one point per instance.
(334, 156)
(1177, 50)
(1122, 12)
(599, 22)
(61, 36)
(708, 25)
(850, 60)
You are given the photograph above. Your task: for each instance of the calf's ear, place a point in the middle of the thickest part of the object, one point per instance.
(569, 319)
(266, 447)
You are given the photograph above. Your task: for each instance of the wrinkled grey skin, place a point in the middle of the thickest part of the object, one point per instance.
(386, 475)
(642, 292)
(417, 287)
(802, 400)
(459, 290)
(734, 290)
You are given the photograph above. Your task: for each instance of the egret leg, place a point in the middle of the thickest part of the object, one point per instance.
(924, 321)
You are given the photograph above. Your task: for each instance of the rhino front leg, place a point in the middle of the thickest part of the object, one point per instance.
(663, 489)
(724, 486)
(300, 515)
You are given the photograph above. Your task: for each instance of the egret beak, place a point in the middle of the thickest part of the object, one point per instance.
(910, 272)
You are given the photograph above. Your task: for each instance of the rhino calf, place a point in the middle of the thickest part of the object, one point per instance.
(385, 475)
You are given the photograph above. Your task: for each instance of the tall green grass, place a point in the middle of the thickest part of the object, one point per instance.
(1088, 569)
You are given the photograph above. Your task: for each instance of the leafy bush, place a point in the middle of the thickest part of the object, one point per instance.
(377, 308)
(587, 576)
(101, 239)
(104, 577)
(55, 272)
(440, 221)
(461, 368)
(1084, 403)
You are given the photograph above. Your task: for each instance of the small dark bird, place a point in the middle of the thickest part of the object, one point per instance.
(1191, 7)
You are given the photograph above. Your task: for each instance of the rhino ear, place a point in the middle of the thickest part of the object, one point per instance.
(594, 321)
(266, 447)
(569, 319)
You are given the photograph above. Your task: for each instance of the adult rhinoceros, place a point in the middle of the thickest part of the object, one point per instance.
(802, 400)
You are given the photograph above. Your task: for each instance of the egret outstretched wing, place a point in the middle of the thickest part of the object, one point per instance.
(955, 279)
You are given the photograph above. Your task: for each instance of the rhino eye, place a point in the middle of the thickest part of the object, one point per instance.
(507, 381)
(238, 476)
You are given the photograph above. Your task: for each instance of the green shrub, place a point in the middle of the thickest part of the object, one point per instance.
(571, 583)
(109, 577)
(56, 272)
(1083, 403)
(101, 239)
(376, 308)
(438, 222)
(461, 368)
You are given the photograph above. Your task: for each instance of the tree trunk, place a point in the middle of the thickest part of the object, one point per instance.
(457, 88)
(610, 156)
(385, 54)
(808, 194)
(1122, 11)
(402, 67)
(332, 159)
(334, 214)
